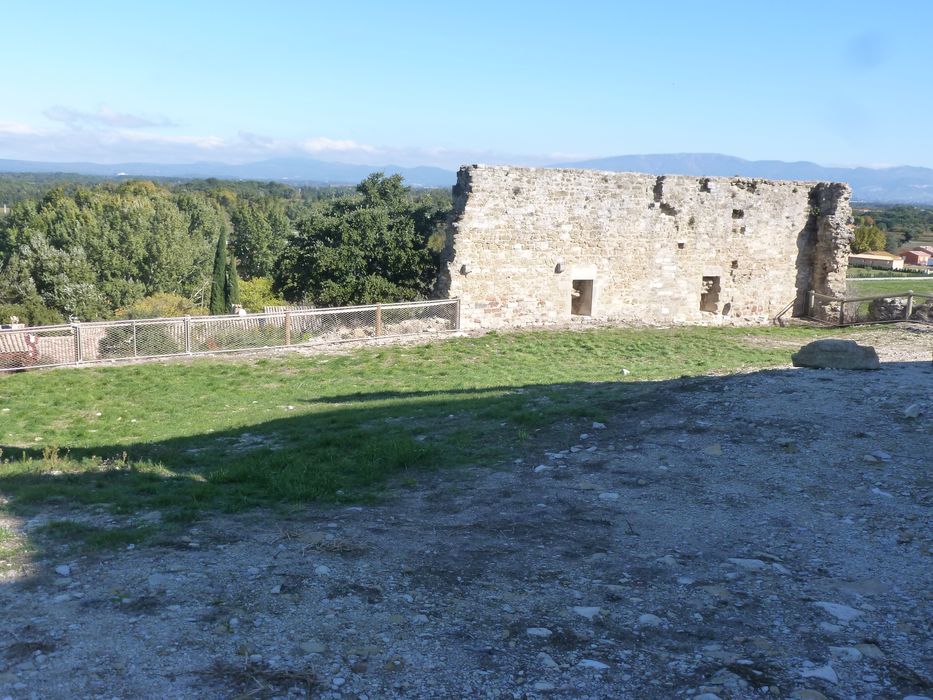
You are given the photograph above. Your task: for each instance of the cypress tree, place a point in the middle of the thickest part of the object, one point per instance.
(232, 286)
(218, 305)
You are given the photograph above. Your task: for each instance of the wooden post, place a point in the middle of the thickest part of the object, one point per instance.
(378, 320)
(811, 304)
(288, 328)
(188, 334)
(842, 312)
(457, 327)
(910, 304)
(135, 353)
(76, 329)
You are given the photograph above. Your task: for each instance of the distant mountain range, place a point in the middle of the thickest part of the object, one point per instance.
(902, 184)
(292, 170)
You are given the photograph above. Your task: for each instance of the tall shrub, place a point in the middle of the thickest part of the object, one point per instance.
(218, 305)
(232, 284)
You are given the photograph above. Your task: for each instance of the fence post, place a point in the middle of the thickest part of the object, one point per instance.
(811, 304)
(135, 353)
(910, 304)
(288, 328)
(457, 327)
(378, 320)
(76, 329)
(188, 335)
(842, 312)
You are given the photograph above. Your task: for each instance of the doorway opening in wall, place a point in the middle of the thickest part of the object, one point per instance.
(709, 296)
(581, 303)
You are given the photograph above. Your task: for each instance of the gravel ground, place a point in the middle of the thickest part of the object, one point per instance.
(761, 535)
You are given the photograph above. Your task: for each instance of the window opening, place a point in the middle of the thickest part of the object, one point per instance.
(709, 297)
(581, 303)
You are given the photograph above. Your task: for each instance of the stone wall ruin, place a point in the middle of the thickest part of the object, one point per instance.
(532, 246)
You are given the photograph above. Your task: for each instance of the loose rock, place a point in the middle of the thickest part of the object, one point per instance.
(840, 612)
(649, 620)
(826, 673)
(750, 564)
(588, 612)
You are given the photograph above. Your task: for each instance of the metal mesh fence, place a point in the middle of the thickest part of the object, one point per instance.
(122, 340)
(44, 346)
(50, 346)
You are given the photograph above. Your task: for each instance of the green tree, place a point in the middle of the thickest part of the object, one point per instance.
(225, 282)
(206, 219)
(89, 252)
(63, 278)
(160, 305)
(83, 247)
(232, 284)
(256, 293)
(868, 236)
(260, 234)
(367, 248)
(218, 305)
(19, 296)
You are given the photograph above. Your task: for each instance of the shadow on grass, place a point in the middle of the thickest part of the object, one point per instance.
(339, 449)
(348, 450)
(367, 397)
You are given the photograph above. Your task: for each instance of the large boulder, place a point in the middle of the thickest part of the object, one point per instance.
(888, 309)
(923, 312)
(833, 353)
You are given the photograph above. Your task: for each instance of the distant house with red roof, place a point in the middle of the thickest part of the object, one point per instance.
(916, 256)
(877, 258)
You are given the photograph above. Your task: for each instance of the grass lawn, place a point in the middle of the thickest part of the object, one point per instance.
(865, 288)
(182, 438)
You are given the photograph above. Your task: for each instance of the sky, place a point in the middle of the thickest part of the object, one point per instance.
(444, 83)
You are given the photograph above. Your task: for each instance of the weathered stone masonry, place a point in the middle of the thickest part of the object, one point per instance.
(536, 246)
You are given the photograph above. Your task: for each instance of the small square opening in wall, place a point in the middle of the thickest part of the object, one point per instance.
(581, 302)
(709, 296)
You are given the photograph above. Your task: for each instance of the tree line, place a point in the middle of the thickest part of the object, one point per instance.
(140, 248)
(888, 228)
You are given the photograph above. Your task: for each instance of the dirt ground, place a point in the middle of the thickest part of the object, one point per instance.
(760, 535)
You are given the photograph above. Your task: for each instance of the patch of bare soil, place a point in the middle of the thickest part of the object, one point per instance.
(750, 536)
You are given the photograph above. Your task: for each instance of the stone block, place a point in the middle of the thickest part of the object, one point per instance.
(833, 353)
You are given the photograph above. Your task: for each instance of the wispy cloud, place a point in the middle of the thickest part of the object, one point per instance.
(104, 117)
(110, 145)
(201, 143)
(322, 144)
(17, 129)
(107, 136)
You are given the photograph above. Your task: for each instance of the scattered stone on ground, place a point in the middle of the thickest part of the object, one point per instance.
(752, 571)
